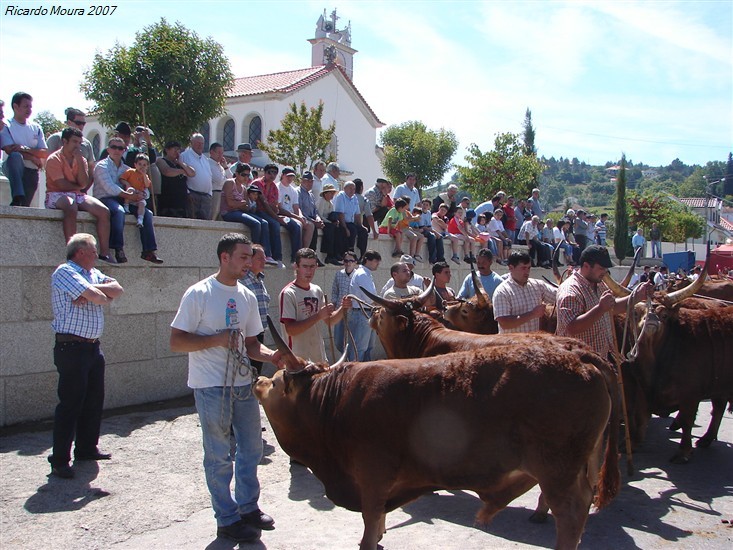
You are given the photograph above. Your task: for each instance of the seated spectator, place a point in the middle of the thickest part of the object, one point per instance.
(439, 221)
(394, 223)
(174, 174)
(333, 243)
(559, 236)
(137, 179)
(75, 119)
(346, 206)
(268, 208)
(67, 180)
(110, 191)
(449, 199)
(529, 235)
(411, 232)
(436, 252)
(401, 276)
(661, 278)
(367, 218)
(499, 236)
(288, 202)
(239, 204)
(489, 279)
(23, 143)
(379, 199)
(435, 304)
(459, 235)
(307, 205)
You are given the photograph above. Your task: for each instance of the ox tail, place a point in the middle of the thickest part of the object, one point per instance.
(610, 476)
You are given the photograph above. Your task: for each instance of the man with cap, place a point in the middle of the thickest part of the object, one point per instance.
(585, 306)
(124, 132)
(307, 204)
(333, 171)
(244, 154)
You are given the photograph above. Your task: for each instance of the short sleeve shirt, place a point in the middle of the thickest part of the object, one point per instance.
(348, 206)
(511, 298)
(68, 282)
(287, 196)
(57, 167)
(298, 304)
(576, 296)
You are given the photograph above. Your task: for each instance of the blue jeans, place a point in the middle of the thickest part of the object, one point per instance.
(245, 424)
(117, 225)
(273, 226)
(656, 249)
(363, 335)
(23, 180)
(258, 228)
(436, 253)
(296, 236)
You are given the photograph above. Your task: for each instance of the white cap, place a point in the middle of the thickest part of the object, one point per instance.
(406, 258)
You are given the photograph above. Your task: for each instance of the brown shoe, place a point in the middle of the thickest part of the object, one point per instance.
(120, 255)
(150, 256)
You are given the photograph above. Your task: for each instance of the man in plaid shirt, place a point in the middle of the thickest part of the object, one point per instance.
(254, 280)
(585, 305)
(78, 292)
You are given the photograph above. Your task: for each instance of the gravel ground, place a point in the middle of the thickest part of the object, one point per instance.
(152, 495)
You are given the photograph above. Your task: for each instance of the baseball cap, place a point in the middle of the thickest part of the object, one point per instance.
(123, 128)
(244, 147)
(287, 171)
(406, 258)
(307, 175)
(596, 254)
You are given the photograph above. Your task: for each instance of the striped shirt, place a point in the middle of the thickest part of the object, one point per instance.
(68, 283)
(576, 296)
(256, 283)
(340, 286)
(511, 299)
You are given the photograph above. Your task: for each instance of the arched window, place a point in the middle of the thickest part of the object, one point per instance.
(96, 140)
(228, 139)
(204, 131)
(255, 131)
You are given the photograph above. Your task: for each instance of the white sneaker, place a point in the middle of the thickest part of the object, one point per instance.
(270, 261)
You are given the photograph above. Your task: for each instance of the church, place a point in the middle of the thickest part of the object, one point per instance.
(257, 104)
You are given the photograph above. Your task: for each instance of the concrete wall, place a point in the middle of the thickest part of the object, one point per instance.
(140, 366)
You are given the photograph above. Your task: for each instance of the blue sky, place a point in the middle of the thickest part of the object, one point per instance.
(652, 79)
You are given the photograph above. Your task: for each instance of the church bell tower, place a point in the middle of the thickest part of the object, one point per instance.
(332, 45)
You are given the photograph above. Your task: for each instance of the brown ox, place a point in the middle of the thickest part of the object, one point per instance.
(684, 356)
(720, 289)
(381, 434)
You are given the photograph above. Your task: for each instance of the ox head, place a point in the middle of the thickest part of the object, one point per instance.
(473, 315)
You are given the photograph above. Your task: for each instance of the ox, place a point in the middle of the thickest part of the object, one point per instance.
(685, 355)
(719, 289)
(495, 421)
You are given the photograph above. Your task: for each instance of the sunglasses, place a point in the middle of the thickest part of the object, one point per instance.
(79, 122)
(349, 261)
(117, 147)
(271, 172)
(244, 173)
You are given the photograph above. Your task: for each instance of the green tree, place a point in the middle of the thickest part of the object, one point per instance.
(528, 134)
(621, 241)
(169, 78)
(48, 123)
(412, 147)
(505, 167)
(301, 139)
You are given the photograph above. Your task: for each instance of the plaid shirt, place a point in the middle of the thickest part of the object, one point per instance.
(68, 282)
(511, 298)
(340, 287)
(256, 283)
(576, 296)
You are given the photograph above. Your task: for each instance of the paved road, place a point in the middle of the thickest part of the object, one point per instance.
(152, 495)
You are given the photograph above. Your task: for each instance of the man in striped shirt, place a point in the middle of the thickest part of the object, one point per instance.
(78, 292)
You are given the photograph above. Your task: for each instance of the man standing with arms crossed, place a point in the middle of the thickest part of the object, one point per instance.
(254, 280)
(78, 292)
(214, 315)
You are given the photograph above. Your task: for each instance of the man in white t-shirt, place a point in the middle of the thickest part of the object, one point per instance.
(401, 275)
(289, 200)
(25, 147)
(219, 171)
(303, 306)
(199, 185)
(215, 316)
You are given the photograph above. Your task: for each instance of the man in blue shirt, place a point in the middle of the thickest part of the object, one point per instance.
(346, 206)
(489, 279)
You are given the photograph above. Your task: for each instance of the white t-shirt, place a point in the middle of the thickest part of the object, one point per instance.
(416, 281)
(209, 307)
(298, 304)
(558, 235)
(218, 175)
(287, 196)
(395, 293)
(201, 182)
(495, 226)
(28, 134)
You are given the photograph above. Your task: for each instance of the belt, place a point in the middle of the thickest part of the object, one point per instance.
(60, 337)
(199, 193)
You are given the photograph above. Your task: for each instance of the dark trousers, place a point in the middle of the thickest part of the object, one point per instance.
(258, 364)
(333, 241)
(81, 397)
(117, 225)
(436, 253)
(358, 235)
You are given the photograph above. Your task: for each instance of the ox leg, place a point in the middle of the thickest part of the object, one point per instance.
(540, 513)
(570, 507)
(374, 521)
(676, 424)
(716, 417)
(686, 418)
(498, 497)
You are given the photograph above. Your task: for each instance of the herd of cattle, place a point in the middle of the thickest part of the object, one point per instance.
(458, 409)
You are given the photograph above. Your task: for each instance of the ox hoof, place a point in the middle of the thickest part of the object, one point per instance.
(704, 442)
(538, 517)
(680, 458)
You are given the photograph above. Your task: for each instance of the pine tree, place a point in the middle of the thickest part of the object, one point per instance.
(621, 236)
(529, 133)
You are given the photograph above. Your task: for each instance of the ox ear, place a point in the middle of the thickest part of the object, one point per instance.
(402, 322)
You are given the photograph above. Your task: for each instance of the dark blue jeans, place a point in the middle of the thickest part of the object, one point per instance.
(258, 227)
(273, 228)
(436, 253)
(81, 397)
(23, 180)
(117, 225)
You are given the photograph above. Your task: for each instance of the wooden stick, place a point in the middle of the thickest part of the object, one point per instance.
(627, 431)
(330, 334)
(150, 170)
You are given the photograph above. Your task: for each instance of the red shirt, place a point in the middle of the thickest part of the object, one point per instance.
(269, 192)
(510, 221)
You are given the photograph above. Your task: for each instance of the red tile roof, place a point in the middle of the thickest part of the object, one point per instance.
(728, 226)
(699, 202)
(290, 81)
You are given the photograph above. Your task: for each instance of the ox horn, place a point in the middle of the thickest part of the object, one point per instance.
(555, 270)
(422, 298)
(281, 345)
(478, 288)
(384, 302)
(341, 359)
(618, 290)
(677, 296)
(627, 279)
